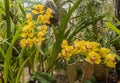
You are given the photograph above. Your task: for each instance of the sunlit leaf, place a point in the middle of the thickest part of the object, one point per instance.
(113, 27)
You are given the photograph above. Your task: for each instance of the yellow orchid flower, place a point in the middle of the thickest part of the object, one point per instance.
(29, 17)
(66, 52)
(40, 34)
(77, 47)
(104, 51)
(22, 42)
(29, 42)
(48, 13)
(24, 35)
(93, 58)
(94, 46)
(110, 60)
(43, 28)
(38, 9)
(64, 44)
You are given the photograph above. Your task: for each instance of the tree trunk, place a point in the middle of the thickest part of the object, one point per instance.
(118, 10)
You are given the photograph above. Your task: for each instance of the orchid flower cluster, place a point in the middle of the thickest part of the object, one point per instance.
(91, 51)
(33, 33)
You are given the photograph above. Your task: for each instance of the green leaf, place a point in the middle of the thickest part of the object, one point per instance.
(113, 27)
(79, 73)
(22, 65)
(7, 11)
(84, 24)
(22, 10)
(91, 80)
(18, 19)
(42, 77)
(118, 57)
(61, 30)
(55, 31)
(64, 22)
(2, 10)
(87, 81)
(8, 55)
(40, 50)
(2, 53)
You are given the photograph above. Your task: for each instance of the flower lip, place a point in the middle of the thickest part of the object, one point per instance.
(93, 58)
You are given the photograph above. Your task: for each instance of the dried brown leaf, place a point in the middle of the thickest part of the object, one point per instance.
(87, 69)
(72, 72)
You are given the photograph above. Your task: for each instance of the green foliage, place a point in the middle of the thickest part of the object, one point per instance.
(116, 39)
(69, 33)
(42, 77)
(7, 10)
(112, 26)
(91, 80)
(61, 30)
(1, 7)
(22, 10)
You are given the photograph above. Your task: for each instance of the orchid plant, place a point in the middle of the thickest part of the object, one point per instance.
(91, 52)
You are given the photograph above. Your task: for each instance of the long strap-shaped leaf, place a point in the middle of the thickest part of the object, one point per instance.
(22, 9)
(111, 25)
(7, 10)
(65, 21)
(21, 67)
(61, 30)
(8, 56)
(83, 25)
